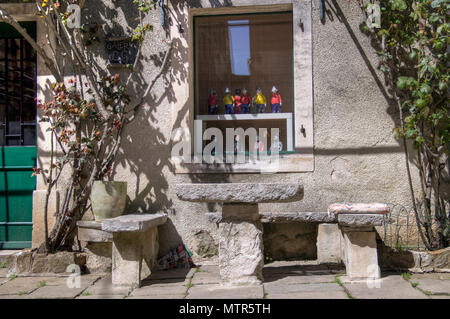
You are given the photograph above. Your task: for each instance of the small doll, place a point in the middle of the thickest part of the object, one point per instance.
(276, 101)
(245, 100)
(213, 107)
(237, 101)
(258, 146)
(228, 101)
(237, 145)
(277, 145)
(260, 100)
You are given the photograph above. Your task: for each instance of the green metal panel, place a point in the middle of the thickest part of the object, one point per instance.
(16, 196)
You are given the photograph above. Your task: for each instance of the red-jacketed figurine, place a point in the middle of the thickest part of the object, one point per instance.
(237, 101)
(276, 101)
(245, 100)
(213, 103)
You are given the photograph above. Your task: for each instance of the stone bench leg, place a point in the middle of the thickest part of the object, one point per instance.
(241, 256)
(360, 253)
(329, 243)
(133, 256)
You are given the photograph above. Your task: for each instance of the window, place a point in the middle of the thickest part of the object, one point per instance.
(17, 88)
(238, 53)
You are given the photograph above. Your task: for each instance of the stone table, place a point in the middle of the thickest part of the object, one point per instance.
(241, 257)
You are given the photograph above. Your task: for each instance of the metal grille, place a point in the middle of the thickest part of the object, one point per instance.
(17, 93)
(400, 229)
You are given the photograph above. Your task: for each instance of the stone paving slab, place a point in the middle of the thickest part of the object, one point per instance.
(3, 273)
(323, 289)
(160, 289)
(55, 292)
(310, 295)
(202, 278)
(104, 287)
(100, 297)
(158, 297)
(390, 287)
(304, 279)
(172, 274)
(434, 286)
(224, 292)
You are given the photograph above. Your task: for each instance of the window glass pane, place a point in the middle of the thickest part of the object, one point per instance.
(244, 51)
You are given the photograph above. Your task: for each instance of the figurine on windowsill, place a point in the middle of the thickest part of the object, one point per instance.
(277, 145)
(237, 101)
(258, 146)
(213, 103)
(260, 100)
(245, 100)
(276, 101)
(228, 101)
(237, 145)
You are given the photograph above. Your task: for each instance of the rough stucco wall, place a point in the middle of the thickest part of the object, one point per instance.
(356, 155)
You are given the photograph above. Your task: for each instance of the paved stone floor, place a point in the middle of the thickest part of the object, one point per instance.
(283, 280)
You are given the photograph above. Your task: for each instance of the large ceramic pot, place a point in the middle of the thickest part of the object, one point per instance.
(108, 199)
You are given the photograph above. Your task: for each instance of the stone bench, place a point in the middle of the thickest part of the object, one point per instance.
(135, 244)
(345, 233)
(241, 257)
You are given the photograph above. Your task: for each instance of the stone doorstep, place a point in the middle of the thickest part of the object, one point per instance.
(133, 222)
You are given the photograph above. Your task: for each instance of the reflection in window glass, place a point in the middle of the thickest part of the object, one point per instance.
(239, 34)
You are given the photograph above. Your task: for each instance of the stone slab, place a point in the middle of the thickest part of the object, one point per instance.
(55, 292)
(277, 288)
(435, 286)
(390, 287)
(100, 297)
(240, 192)
(160, 289)
(299, 279)
(91, 231)
(133, 222)
(329, 243)
(321, 294)
(306, 217)
(202, 278)
(104, 287)
(182, 273)
(358, 220)
(358, 208)
(224, 292)
(158, 297)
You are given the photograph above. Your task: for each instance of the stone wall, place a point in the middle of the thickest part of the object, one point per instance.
(356, 157)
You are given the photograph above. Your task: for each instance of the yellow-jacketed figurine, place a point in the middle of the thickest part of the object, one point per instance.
(228, 101)
(260, 100)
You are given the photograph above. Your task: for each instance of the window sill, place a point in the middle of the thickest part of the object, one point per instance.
(288, 163)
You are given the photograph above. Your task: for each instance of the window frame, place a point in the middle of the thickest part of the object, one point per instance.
(302, 159)
(194, 49)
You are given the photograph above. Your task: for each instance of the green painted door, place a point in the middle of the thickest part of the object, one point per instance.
(17, 136)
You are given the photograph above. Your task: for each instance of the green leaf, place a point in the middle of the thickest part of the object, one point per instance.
(413, 54)
(420, 103)
(425, 88)
(399, 5)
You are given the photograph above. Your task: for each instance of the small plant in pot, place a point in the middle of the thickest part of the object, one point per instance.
(108, 199)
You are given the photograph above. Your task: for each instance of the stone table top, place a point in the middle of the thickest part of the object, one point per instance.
(358, 208)
(251, 193)
(133, 222)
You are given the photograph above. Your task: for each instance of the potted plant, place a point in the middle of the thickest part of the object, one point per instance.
(108, 199)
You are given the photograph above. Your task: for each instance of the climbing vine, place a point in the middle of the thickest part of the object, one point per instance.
(85, 114)
(412, 41)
